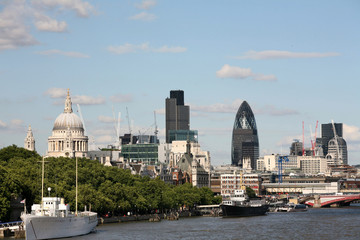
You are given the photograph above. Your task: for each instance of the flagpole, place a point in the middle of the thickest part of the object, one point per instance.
(76, 204)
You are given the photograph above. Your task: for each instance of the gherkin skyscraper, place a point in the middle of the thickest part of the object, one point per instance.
(245, 142)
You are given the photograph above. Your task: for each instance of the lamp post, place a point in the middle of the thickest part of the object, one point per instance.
(49, 189)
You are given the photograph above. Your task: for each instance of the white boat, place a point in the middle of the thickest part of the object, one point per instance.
(54, 220)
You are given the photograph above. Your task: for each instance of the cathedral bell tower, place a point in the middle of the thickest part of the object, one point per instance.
(29, 142)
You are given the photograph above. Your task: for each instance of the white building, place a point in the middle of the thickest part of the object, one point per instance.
(68, 139)
(271, 163)
(312, 164)
(171, 153)
(232, 182)
(29, 142)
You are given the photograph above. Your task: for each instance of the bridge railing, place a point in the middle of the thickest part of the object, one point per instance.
(10, 224)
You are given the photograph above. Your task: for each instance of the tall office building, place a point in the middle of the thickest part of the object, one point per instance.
(245, 142)
(177, 114)
(327, 133)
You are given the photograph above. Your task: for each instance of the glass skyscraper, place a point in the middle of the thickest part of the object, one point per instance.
(177, 114)
(245, 142)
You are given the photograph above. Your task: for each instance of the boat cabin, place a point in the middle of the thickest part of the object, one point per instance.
(52, 207)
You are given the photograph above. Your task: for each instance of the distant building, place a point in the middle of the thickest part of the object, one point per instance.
(245, 142)
(296, 148)
(29, 142)
(183, 135)
(335, 157)
(232, 182)
(140, 153)
(312, 164)
(68, 139)
(177, 115)
(190, 166)
(327, 133)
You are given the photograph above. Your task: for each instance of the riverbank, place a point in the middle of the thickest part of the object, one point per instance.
(146, 217)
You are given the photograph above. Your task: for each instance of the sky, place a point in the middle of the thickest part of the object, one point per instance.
(292, 61)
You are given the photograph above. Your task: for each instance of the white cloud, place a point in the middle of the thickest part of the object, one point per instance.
(121, 98)
(351, 133)
(88, 100)
(60, 93)
(56, 92)
(82, 8)
(14, 32)
(228, 71)
(63, 53)
(166, 49)
(275, 54)
(128, 48)
(144, 47)
(143, 16)
(3, 124)
(146, 4)
(17, 15)
(47, 24)
(218, 107)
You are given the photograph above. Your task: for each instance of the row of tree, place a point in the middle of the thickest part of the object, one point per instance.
(104, 189)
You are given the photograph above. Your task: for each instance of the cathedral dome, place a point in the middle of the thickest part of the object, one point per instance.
(68, 119)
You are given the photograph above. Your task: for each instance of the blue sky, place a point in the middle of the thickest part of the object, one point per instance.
(292, 61)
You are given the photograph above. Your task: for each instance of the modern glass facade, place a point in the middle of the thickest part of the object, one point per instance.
(245, 142)
(145, 153)
(183, 135)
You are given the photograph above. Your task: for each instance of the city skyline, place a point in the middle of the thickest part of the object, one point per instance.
(291, 62)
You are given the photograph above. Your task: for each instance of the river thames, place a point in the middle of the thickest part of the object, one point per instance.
(324, 223)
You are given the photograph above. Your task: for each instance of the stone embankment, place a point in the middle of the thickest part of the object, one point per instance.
(147, 217)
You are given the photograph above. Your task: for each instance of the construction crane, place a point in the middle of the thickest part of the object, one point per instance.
(281, 159)
(314, 147)
(117, 128)
(156, 131)
(128, 119)
(82, 119)
(303, 143)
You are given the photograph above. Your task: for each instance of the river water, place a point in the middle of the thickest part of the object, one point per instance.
(324, 223)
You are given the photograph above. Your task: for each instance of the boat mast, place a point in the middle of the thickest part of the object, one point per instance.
(76, 200)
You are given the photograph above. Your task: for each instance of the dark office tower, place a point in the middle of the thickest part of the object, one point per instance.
(245, 142)
(177, 114)
(327, 133)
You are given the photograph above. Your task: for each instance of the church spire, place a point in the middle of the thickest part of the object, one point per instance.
(68, 104)
(29, 142)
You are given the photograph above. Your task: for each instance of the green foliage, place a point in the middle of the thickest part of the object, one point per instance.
(250, 192)
(104, 189)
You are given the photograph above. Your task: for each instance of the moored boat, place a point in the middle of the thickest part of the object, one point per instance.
(239, 205)
(54, 220)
